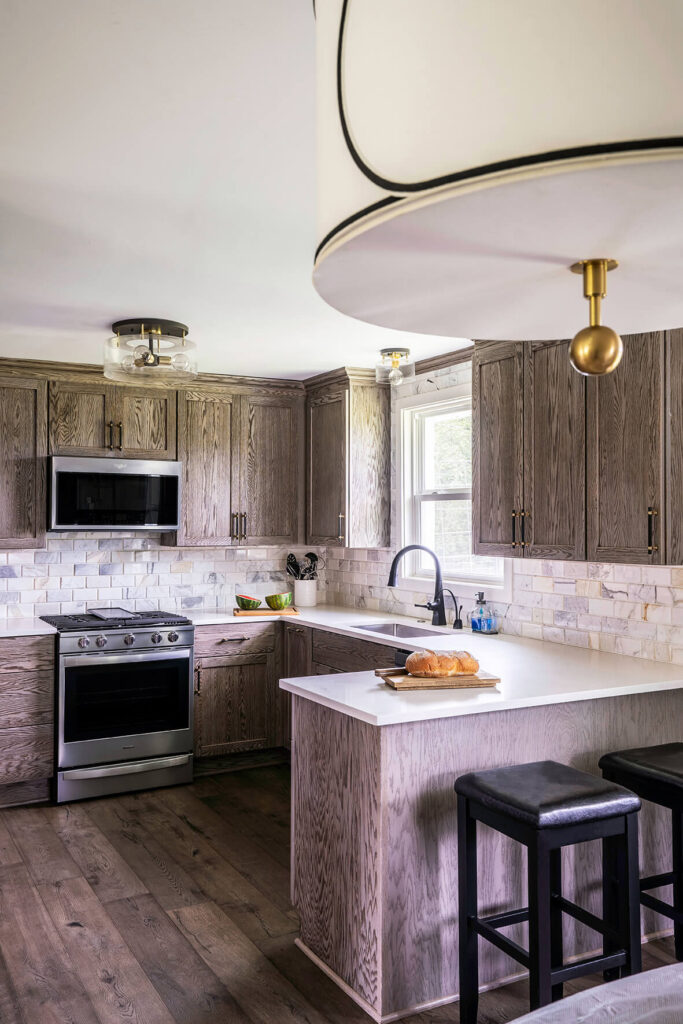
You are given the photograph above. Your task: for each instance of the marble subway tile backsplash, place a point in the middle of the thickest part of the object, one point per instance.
(82, 570)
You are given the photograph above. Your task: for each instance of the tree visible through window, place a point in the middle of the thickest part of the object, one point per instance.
(437, 473)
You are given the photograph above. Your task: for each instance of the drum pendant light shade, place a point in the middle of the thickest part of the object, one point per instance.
(470, 152)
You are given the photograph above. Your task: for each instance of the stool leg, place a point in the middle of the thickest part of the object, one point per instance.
(611, 849)
(539, 924)
(677, 853)
(631, 897)
(556, 951)
(467, 898)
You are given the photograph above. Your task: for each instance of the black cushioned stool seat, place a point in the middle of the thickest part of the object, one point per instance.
(545, 806)
(656, 774)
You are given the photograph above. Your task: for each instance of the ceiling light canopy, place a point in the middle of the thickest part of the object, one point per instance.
(147, 348)
(395, 366)
(469, 153)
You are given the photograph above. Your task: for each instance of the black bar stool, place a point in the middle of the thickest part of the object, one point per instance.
(656, 774)
(545, 806)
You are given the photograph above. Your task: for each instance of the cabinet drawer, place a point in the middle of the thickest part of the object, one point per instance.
(27, 654)
(26, 698)
(26, 753)
(347, 654)
(237, 638)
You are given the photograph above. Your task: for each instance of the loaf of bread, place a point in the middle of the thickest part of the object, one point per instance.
(438, 664)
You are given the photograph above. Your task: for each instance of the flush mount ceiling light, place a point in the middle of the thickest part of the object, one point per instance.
(147, 348)
(469, 152)
(596, 349)
(394, 366)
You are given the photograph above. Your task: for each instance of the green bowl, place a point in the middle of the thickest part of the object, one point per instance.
(279, 601)
(247, 603)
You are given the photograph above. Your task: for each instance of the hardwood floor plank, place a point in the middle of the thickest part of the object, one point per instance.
(147, 857)
(106, 871)
(212, 873)
(9, 854)
(271, 836)
(117, 986)
(245, 855)
(190, 990)
(10, 1012)
(41, 849)
(248, 975)
(42, 974)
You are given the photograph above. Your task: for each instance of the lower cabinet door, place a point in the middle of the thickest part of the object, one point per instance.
(233, 704)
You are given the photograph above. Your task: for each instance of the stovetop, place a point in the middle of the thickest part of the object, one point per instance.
(126, 619)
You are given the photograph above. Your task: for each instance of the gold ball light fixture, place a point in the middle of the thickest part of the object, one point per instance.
(596, 349)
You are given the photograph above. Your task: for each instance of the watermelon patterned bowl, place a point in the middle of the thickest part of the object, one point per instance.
(247, 603)
(279, 601)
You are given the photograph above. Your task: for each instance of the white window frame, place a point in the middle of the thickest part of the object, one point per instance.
(408, 429)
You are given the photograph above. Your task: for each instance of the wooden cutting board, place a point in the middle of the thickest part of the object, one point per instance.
(401, 679)
(241, 613)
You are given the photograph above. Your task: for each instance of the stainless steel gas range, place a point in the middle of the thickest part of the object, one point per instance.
(124, 701)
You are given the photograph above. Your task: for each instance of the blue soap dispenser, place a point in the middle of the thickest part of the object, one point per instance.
(483, 618)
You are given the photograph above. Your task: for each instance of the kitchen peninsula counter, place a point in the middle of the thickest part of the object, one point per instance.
(374, 856)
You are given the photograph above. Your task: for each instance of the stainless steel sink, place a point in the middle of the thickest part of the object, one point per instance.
(398, 629)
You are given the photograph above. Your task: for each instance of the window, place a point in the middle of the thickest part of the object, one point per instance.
(436, 491)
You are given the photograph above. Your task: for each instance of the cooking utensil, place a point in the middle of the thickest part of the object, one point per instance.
(293, 568)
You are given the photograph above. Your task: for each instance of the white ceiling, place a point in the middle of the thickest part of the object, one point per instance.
(157, 159)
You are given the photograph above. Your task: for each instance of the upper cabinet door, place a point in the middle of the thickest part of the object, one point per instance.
(326, 469)
(554, 453)
(23, 429)
(145, 425)
(82, 418)
(207, 445)
(271, 468)
(625, 456)
(674, 447)
(497, 449)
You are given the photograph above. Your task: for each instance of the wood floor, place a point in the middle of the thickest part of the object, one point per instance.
(172, 907)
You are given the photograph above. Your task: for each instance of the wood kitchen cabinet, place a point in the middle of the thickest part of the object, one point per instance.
(338, 653)
(625, 455)
(235, 688)
(296, 662)
(27, 718)
(673, 443)
(117, 421)
(528, 452)
(242, 458)
(23, 429)
(348, 460)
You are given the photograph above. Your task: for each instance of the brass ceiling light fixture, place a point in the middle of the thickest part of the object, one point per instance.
(151, 349)
(596, 349)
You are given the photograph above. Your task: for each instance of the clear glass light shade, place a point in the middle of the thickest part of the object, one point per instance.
(150, 357)
(394, 367)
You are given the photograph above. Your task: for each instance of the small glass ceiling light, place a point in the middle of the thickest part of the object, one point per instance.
(394, 366)
(149, 349)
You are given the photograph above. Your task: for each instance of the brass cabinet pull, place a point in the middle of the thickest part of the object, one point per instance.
(651, 546)
(111, 435)
(234, 527)
(120, 426)
(232, 639)
(243, 517)
(522, 516)
(514, 528)
(198, 688)
(340, 532)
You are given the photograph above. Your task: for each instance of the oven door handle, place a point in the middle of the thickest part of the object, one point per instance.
(129, 768)
(170, 654)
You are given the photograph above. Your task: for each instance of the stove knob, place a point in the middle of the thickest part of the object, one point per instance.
(173, 636)
(84, 641)
(129, 640)
(101, 641)
(156, 638)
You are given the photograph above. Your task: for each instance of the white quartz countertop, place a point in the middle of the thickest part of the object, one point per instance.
(25, 627)
(532, 673)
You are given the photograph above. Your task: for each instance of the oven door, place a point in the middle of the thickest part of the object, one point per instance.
(118, 707)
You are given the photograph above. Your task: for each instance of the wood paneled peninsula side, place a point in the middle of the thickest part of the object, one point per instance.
(374, 862)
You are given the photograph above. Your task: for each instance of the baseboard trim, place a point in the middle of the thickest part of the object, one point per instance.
(434, 1004)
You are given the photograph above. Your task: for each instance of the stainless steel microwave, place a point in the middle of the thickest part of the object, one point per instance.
(114, 494)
